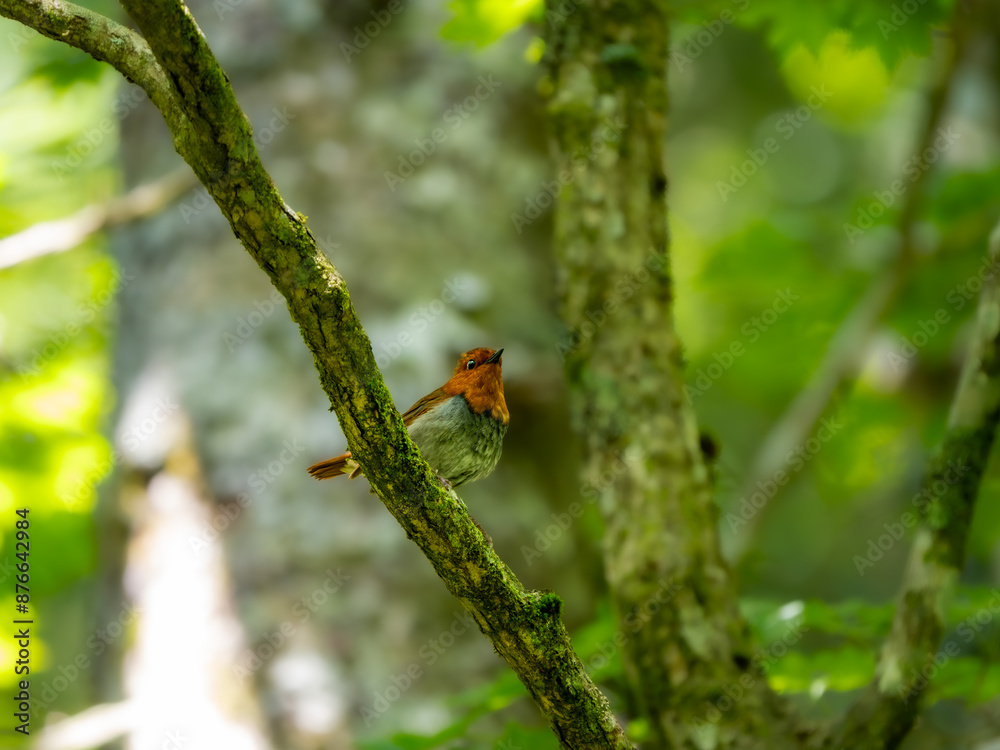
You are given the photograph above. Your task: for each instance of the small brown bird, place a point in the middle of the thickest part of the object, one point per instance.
(459, 428)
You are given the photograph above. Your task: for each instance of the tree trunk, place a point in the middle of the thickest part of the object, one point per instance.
(687, 650)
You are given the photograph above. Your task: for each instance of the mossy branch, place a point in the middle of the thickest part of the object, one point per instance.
(174, 65)
(884, 714)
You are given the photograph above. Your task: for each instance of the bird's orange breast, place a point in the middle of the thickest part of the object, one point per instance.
(483, 391)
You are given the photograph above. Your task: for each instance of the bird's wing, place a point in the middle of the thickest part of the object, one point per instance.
(424, 405)
(344, 464)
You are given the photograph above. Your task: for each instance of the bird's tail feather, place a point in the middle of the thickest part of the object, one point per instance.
(334, 467)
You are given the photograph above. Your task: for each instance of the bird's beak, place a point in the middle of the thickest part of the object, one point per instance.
(495, 359)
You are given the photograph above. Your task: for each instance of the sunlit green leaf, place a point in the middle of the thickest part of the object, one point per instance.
(484, 21)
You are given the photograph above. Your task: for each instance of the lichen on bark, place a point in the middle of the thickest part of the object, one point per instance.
(171, 60)
(607, 67)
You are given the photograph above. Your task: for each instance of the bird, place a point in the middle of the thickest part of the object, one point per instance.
(459, 428)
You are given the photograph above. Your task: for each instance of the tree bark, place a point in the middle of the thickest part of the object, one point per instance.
(688, 651)
(673, 591)
(171, 60)
(887, 710)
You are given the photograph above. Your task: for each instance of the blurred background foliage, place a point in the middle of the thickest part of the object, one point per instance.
(361, 94)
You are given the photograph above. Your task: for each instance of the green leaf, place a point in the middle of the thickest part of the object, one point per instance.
(893, 30)
(963, 678)
(844, 668)
(535, 738)
(482, 22)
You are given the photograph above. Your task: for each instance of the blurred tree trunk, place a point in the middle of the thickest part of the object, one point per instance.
(688, 652)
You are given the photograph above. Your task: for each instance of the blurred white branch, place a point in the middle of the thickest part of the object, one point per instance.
(64, 234)
(94, 727)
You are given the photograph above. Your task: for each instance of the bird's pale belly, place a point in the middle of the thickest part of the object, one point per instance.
(459, 445)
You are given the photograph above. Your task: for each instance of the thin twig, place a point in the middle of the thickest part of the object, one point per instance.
(885, 712)
(213, 135)
(104, 40)
(845, 355)
(64, 234)
(93, 727)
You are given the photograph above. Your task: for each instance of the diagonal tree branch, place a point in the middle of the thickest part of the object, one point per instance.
(210, 132)
(887, 710)
(104, 40)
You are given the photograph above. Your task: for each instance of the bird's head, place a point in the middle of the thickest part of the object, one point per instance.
(478, 377)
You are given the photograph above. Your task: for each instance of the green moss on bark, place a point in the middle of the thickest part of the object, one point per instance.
(183, 79)
(607, 67)
(957, 467)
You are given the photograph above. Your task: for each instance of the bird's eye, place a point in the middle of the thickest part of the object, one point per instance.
(470, 364)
